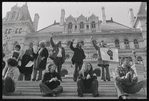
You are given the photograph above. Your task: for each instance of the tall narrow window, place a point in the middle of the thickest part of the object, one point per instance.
(126, 42)
(75, 27)
(136, 45)
(70, 25)
(6, 31)
(9, 31)
(17, 30)
(20, 30)
(87, 27)
(93, 25)
(117, 43)
(81, 25)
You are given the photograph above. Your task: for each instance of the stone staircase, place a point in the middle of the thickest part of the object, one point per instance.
(30, 90)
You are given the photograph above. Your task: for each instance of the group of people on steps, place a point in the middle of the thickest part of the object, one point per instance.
(20, 65)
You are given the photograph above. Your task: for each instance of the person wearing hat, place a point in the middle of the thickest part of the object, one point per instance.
(50, 85)
(58, 55)
(103, 64)
(77, 58)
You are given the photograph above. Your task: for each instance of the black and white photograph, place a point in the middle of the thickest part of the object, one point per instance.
(74, 50)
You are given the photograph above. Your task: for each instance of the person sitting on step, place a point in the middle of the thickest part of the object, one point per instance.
(50, 85)
(87, 81)
(126, 80)
(10, 76)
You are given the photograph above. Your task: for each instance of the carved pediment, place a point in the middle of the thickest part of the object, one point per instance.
(70, 19)
(81, 18)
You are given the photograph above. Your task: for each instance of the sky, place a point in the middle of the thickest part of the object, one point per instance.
(50, 11)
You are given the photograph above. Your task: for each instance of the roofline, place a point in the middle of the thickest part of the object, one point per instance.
(120, 24)
(48, 26)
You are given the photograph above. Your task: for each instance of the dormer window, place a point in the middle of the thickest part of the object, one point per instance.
(87, 27)
(70, 25)
(75, 27)
(81, 25)
(93, 25)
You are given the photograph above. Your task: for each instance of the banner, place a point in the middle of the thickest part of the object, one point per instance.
(109, 54)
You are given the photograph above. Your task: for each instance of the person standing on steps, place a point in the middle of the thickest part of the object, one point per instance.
(103, 64)
(41, 61)
(77, 59)
(58, 55)
(27, 64)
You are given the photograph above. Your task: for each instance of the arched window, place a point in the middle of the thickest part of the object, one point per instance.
(70, 25)
(6, 31)
(81, 25)
(126, 42)
(93, 25)
(136, 45)
(139, 60)
(20, 30)
(117, 43)
(9, 31)
(75, 27)
(87, 27)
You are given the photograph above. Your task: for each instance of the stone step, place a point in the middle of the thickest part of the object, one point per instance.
(31, 90)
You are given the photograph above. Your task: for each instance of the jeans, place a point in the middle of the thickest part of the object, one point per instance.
(35, 74)
(76, 71)
(135, 86)
(93, 89)
(105, 73)
(46, 90)
(58, 63)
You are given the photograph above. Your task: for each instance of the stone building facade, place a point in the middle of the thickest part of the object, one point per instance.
(18, 28)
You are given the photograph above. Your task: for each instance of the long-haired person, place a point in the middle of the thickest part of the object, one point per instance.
(50, 85)
(87, 81)
(10, 76)
(126, 80)
(41, 61)
(103, 64)
(58, 55)
(77, 59)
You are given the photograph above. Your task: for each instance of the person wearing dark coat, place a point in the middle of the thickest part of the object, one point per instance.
(41, 61)
(87, 81)
(58, 55)
(77, 58)
(50, 85)
(27, 64)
